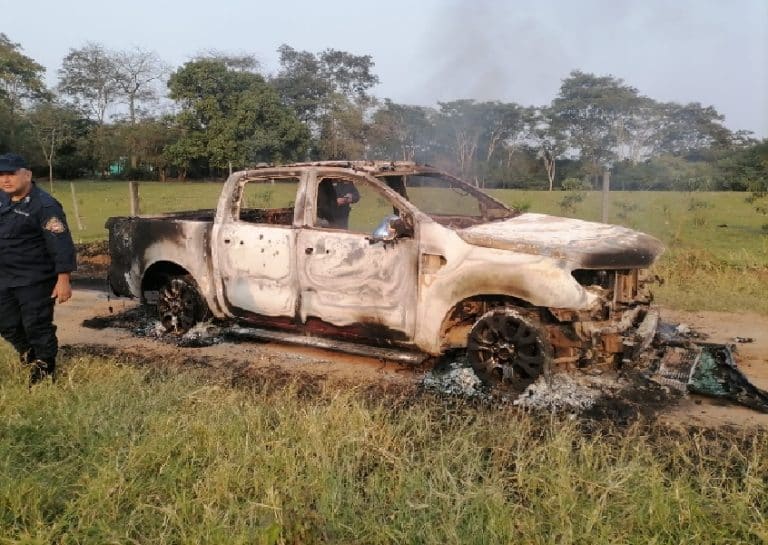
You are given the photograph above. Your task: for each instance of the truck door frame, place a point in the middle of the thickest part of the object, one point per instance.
(254, 264)
(349, 285)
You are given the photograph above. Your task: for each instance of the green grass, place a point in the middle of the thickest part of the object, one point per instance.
(116, 454)
(717, 249)
(98, 201)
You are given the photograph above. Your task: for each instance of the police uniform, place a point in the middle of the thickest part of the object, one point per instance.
(35, 246)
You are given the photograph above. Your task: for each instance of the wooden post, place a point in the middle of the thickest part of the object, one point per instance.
(606, 190)
(133, 188)
(76, 207)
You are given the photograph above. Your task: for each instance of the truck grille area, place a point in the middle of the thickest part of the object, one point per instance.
(623, 286)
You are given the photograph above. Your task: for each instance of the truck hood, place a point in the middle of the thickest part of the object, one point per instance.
(585, 244)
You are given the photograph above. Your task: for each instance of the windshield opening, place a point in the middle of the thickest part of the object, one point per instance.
(447, 200)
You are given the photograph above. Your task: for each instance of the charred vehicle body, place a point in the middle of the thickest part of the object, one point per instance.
(427, 264)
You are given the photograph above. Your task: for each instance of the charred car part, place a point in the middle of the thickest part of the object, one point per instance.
(707, 369)
(428, 264)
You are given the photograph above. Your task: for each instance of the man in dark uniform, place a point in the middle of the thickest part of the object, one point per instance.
(333, 200)
(36, 258)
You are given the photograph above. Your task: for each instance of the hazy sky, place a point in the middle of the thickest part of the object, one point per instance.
(709, 51)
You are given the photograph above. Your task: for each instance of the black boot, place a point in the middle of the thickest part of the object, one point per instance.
(40, 370)
(27, 357)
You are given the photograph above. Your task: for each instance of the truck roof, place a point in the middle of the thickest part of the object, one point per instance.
(374, 168)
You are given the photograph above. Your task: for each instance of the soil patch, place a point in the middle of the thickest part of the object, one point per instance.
(92, 265)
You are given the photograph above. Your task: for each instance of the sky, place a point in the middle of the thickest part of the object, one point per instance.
(710, 51)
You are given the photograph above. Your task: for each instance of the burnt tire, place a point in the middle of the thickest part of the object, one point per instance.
(180, 305)
(508, 349)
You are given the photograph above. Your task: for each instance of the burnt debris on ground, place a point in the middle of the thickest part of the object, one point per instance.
(142, 323)
(677, 362)
(675, 365)
(620, 397)
(703, 368)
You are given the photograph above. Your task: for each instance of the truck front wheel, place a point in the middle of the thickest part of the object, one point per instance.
(507, 348)
(180, 305)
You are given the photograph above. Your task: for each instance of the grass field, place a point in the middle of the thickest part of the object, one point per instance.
(123, 455)
(717, 248)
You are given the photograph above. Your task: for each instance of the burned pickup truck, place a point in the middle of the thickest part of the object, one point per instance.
(398, 256)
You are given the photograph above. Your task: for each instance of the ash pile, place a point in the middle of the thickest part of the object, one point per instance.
(200, 335)
(618, 396)
(676, 363)
(143, 323)
(455, 377)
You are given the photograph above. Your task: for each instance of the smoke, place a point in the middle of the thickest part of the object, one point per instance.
(681, 51)
(488, 51)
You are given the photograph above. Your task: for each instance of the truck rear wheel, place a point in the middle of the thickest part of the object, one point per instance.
(508, 349)
(180, 305)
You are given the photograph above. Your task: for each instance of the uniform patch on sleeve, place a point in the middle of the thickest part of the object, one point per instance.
(55, 225)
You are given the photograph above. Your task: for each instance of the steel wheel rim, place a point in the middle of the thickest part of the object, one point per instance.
(178, 306)
(503, 347)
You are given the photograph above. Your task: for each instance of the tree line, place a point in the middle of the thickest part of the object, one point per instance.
(127, 114)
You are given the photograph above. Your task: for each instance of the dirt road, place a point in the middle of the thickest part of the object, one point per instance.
(356, 370)
(87, 304)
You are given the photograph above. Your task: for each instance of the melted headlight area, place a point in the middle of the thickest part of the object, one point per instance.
(615, 331)
(623, 286)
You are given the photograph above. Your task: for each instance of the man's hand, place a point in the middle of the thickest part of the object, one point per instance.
(346, 199)
(62, 291)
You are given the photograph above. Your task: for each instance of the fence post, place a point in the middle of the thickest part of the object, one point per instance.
(76, 206)
(606, 190)
(133, 188)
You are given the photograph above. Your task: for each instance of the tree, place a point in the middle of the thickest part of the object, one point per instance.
(301, 85)
(402, 131)
(477, 130)
(89, 77)
(547, 138)
(592, 111)
(350, 75)
(746, 167)
(503, 123)
(230, 115)
(460, 127)
(53, 127)
(638, 130)
(147, 141)
(690, 128)
(329, 92)
(136, 72)
(21, 78)
(242, 62)
(343, 130)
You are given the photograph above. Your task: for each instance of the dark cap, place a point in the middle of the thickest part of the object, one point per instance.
(11, 162)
